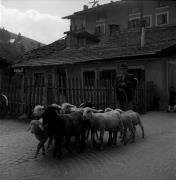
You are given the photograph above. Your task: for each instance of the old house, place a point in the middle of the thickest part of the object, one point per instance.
(140, 33)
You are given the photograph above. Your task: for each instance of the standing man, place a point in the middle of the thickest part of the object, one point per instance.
(126, 85)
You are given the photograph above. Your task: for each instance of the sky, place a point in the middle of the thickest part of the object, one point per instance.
(40, 20)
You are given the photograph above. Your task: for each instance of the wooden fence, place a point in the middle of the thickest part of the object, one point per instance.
(74, 91)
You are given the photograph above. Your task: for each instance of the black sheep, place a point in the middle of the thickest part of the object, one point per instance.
(64, 125)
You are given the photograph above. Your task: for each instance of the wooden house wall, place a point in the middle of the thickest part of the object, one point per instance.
(154, 71)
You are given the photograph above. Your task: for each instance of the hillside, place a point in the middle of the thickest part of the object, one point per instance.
(28, 43)
(13, 46)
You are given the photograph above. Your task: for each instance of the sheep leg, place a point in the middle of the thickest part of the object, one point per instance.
(40, 144)
(96, 133)
(43, 149)
(142, 129)
(124, 136)
(82, 142)
(60, 147)
(114, 137)
(55, 147)
(132, 129)
(94, 143)
(87, 134)
(110, 138)
(57, 143)
(101, 138)
(49, 142)
(67, 144)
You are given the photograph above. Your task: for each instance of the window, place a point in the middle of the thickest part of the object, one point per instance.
(113, 29)
(134, 23)
(108, 75)
(50, 80)
(89, 78)
(162, 18)
(100, 29)
(39, 79)
(146, 21)
(61, 79)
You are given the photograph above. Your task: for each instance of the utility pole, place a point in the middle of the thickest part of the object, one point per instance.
(142, 28)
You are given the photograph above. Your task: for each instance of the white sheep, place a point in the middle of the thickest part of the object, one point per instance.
(99, 121)
(37, 128)
(136, 120)
(68, 108)
(38, 111)
(130, 120)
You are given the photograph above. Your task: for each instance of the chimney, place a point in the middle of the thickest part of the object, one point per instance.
(85, 7)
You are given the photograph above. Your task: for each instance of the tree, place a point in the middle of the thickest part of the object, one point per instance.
(4, 35)
(38, 45)
(18, 38)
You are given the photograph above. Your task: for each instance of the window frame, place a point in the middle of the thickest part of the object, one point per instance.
(138, 17)
(83, 82)
(161, 13)
(104, 28)
(34, 80)
(108, 69)
(150, 16)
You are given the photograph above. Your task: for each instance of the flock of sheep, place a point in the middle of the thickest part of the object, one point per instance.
(61, 123)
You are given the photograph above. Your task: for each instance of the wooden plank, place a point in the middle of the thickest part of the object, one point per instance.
(81, 91)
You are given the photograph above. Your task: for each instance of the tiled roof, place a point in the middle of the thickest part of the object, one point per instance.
(70, 56)
(44, 51)
(121, 47)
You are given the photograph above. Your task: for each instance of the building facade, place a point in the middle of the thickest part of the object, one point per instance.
(100, 39)
(105, 20)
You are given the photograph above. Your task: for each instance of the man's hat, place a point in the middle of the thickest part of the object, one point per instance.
(123, 66)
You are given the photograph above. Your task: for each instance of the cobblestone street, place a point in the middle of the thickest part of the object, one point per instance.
(151, 158)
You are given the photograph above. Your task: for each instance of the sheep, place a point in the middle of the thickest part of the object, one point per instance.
(87, 104)
(68, 108)
(38, 111)
(131, 119)
(37, 128)
(107, 121)
(136, 120)
(64, 125)
(108, 109)
(90, 105)
(127, 124)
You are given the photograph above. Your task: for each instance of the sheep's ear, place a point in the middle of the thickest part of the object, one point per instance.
(29, 128)
(100, 111)
(41, 127)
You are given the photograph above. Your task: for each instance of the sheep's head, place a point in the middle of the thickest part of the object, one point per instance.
(108, 109)
(34, 124)
(87, 104)
(67, 108)
(38, 111)
(120, 111)
(56, 106)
